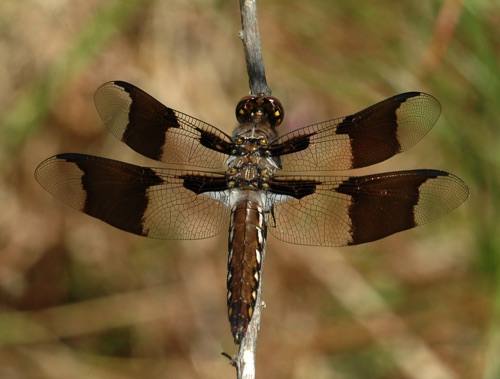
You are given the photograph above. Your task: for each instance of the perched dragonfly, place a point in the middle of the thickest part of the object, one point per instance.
(253, 181)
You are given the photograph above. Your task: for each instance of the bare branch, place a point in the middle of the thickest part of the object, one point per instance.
(251, 44)
(244, 361)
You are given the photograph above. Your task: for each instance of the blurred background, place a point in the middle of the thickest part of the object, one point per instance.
(80, 299)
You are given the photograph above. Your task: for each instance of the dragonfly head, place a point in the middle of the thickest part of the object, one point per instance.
(252, 106)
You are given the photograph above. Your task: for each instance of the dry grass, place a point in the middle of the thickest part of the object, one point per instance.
(80, 299)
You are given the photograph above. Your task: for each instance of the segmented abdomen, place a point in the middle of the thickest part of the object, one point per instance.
(247, 238)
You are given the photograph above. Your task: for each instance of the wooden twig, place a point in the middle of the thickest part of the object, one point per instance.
(251, 44)
(244, 361)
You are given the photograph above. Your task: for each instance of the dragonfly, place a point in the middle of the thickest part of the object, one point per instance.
(255, 180)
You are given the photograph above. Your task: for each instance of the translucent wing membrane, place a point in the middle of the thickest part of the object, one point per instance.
(153, 202)
(341, 211)
(159, 132)
(362, 139)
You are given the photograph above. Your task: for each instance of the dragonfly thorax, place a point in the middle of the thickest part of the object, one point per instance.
(250, 172)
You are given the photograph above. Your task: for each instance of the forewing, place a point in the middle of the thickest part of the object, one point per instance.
(362, 139)
(159, 132)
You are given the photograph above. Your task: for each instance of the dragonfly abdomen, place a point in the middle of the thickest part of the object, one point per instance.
(247, 238)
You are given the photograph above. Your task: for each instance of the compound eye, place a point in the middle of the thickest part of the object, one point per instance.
(276, 113)
(270, 106)
(245, 109)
